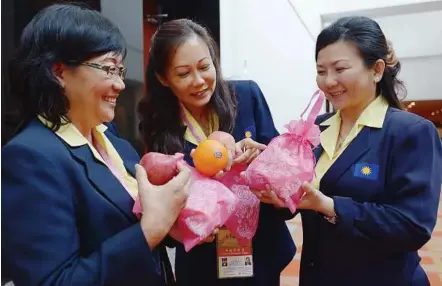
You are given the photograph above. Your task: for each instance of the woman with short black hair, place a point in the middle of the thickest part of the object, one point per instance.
(68, 180)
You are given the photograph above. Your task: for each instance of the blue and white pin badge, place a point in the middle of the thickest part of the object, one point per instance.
(366, 171)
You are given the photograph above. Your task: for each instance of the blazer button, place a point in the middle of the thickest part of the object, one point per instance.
(312, 264)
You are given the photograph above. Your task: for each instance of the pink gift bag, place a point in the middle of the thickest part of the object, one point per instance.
(208, 207)
(244, 220)
(288, 160)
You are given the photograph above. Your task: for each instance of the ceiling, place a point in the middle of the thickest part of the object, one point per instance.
(430, 109)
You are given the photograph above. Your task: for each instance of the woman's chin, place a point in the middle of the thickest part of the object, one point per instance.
(198, 103)
(338, 104)
(107, 116)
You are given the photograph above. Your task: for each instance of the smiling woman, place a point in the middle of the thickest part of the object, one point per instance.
(376, 192)
(67, 172)
(186, 101)
(92, 89)
(193, 56)
(193, 75)
(61, 70)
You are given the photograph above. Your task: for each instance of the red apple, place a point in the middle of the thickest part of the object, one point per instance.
(160, 168)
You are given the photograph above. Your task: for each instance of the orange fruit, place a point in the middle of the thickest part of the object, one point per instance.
(210, 157)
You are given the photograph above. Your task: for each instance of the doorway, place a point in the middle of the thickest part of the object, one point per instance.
(205, 12)
(155, 12)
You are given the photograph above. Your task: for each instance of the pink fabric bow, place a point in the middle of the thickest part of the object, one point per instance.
(299, 128)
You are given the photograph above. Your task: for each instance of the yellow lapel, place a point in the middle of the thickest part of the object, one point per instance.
(194, 133)
(73, 137)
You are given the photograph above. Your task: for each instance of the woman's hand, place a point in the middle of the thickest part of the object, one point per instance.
(247, 150)
(269, 197)
(161, 204)
(228, 141)
(313, 199)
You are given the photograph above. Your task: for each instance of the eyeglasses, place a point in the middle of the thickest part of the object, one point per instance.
(110, 70)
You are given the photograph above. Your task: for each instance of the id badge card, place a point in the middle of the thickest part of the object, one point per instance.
(234, 260)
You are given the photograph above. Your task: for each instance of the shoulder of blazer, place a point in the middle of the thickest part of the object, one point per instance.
(239, 85)
(399, 119)
(394, 117)
(38, 137)
(41, 144)
(245, 89)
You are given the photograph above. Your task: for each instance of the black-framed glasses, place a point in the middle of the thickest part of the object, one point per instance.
(110, 70)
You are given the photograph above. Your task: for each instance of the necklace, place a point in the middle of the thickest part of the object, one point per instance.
(339, 143)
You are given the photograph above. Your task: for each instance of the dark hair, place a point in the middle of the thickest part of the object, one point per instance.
(161, 127)
(60, 33)
(369, 39)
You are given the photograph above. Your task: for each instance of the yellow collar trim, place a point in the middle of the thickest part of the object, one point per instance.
(70, 134)
(194, 133)
(372, 116)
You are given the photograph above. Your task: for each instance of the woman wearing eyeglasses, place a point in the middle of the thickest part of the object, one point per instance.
(68, 183)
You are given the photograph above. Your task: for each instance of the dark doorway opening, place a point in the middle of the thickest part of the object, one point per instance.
(205, 12)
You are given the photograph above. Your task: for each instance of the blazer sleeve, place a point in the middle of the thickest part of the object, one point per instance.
(266, 131)
(407, 221)
(41, 244)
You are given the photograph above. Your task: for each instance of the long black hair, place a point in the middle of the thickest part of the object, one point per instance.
(159, 110)
(369, 39)
(60, 33)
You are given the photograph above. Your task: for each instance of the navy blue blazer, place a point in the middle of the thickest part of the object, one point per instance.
(273, 247)
(383, 218)
(66, 220)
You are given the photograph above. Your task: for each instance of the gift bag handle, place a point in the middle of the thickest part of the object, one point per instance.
(319, 96)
